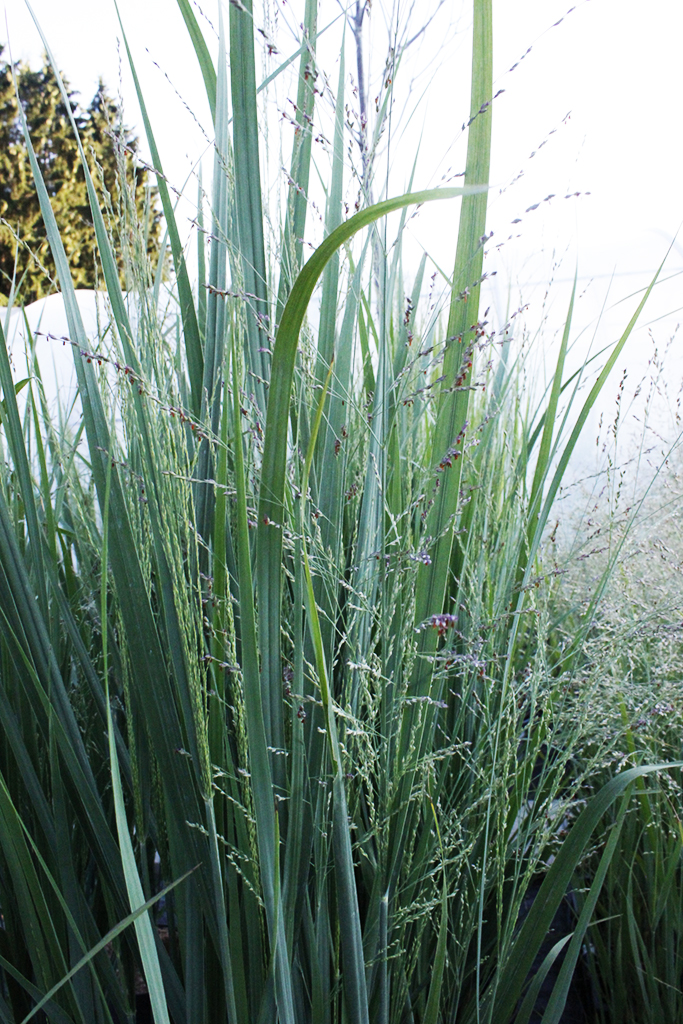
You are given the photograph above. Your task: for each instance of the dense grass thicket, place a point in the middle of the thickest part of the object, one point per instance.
(303, 715)
(628, 545)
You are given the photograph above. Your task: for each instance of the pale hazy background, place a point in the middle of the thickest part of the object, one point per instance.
(594, 108)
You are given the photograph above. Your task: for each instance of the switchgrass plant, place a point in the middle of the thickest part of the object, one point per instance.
(633, 950)
(632, 663)
(280, 730)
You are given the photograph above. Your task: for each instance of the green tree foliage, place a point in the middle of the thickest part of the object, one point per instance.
(111, 148)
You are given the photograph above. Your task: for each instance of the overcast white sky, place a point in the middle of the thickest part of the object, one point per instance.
(613, 66)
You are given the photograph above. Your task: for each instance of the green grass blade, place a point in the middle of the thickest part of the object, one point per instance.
(551, 893)
(558, 998)
(202, 51)
(333, 218)
(297, 205)
(15, 437)
(544, 453)
(216, 316)
(262, 782)
(333, 452)
(201, 255)
(353, 975)
(193, 345)
(434, 1001)
(34, 658)
(453, 407)
(55, 1014)
(112, 934)
(248, 200)
(529, 1002)
(36, 925)
(64, 905)
(143, 924)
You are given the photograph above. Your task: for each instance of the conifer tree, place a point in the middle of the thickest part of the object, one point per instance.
(111, 152)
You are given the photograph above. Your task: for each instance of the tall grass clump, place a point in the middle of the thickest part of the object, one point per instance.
(281, 733)
(632, 662)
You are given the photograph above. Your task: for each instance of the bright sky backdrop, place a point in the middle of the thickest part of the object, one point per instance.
(597, 100)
